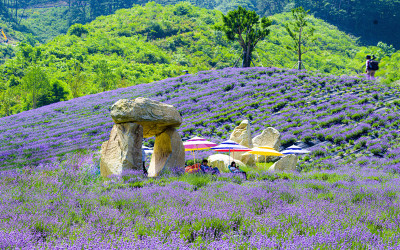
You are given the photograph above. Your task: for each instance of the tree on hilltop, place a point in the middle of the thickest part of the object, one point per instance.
(36, 83)
(300, 34)
(245, 27)
(76, 79)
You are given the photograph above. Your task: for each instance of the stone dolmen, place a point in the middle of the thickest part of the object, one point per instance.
(137, 119)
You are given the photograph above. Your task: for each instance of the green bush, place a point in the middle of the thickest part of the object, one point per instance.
(78, 30)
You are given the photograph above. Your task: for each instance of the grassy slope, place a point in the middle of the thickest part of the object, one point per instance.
(332, 115)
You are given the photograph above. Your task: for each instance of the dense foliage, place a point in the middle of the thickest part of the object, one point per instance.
(113, 51)
(373, 20)
(47, 23)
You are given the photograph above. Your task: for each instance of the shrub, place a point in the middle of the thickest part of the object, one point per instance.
(318, 153)
(320, 137)
(288, 142)
(229, 87)
(278, 106)
(329, 138)
(361, 197)
(227, 127)
(338, 140)
(77, 30)
(307, 139)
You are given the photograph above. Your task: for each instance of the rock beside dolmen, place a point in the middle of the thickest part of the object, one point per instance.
(137, 119)
(286, 163)
(242, 135)
(269, 137)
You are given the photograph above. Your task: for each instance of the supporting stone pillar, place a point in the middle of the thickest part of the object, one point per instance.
(123, 150)
(168, 152)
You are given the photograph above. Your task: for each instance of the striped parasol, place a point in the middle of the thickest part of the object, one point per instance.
(230, 146)
(295, 150)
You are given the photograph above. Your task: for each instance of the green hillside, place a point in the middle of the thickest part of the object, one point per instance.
(47, 23)
(154, 42)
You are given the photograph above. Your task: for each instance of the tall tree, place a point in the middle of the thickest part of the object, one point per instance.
(301, 34)
(76, 79)
(36, 83)
(245, 27)
(104, 75)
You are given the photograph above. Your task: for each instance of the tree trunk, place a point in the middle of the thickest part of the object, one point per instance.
(299, 51)
(16, 10)
(33, 101)
(246, 59)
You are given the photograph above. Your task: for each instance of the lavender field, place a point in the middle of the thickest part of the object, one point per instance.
(344, 196)
(65, 206)
(338, 118)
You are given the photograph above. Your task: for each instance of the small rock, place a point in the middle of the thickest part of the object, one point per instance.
(286, 163)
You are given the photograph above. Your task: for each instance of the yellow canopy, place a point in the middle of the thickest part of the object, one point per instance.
(267, 147)
(264, 150)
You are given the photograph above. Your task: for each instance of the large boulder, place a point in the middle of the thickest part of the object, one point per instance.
(269, 137)
(169, 152)
(123, 150)
(242, 135)
(155, 117)
(286, 163)
(222, 162)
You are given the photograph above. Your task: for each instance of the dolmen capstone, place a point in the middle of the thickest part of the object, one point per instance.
(137, 119)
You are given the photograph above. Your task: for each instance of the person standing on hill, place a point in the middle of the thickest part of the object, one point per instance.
(371, 67)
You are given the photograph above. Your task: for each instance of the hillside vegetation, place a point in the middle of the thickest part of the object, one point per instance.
(340, 119)
(372, 22)
(152, 42)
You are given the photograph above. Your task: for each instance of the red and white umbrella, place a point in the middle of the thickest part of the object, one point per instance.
(197, 143)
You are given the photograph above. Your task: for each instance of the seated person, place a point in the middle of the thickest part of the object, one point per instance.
(208, 169)
(235, 169)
